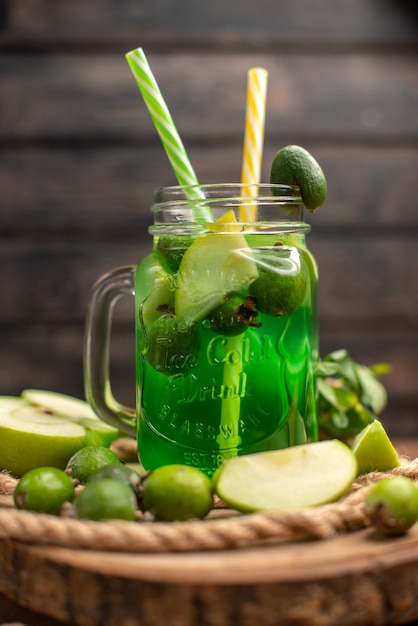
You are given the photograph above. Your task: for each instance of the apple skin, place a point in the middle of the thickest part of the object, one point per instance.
(43, 428)
(374, 450)
(212, 267)
(26, 445)
(301, 476)
(98, 433)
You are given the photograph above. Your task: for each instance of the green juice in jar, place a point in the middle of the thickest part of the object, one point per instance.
(210, 391)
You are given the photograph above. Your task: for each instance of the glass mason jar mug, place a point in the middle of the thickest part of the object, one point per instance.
(226, 328)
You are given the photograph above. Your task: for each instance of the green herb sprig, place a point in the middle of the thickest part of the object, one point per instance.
(348, 395)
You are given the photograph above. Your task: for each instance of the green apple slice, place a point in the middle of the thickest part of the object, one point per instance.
(8, 403)
(156, 288)
(302, 476)
(31, 437)
(215, 265)
(374, 450)
(73, 410)
(58, 403)
(161, 298)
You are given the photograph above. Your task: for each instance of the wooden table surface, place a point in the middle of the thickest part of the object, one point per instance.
(13, 612)
(80, 159)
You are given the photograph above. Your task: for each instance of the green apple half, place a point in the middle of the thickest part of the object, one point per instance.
(46, 428)
(302, 476)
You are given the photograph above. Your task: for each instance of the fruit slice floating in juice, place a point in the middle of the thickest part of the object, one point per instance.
(157, 287)
(228, 343)
(220, 384)
(214, 266)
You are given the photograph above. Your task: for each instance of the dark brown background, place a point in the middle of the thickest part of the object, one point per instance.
(79, 160)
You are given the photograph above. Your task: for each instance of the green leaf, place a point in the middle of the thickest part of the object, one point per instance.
(340, 421)
(348, 372)
(326, 368)
(349, 395)
(346, 398)
(329, 394)
(337, 355)
(359, 418)
(373, 392)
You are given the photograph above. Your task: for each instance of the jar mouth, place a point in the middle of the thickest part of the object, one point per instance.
(225, 190)
(257, 208)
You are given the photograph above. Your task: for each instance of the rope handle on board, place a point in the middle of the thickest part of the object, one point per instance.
(224, 530)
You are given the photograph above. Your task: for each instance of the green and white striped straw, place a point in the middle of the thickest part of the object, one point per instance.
(166, 129)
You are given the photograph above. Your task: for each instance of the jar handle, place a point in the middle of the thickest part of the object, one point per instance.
(105, 293)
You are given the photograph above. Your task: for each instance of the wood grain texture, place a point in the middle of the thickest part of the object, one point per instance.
(79, 159)
(322, 95)
(349, 287)
(351, 579)
(94, 191)
(161, 23)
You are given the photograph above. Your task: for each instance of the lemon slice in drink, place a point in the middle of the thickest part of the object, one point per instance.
(215, 265)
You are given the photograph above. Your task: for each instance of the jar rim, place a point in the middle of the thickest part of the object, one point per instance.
(211, 191)
(257, 208)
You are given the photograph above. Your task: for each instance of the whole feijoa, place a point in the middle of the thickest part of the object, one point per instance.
(177, 492)
(392, 505)
(106, 499)
(43, 490)
(88, 460)
(118, 471)
(293, 165)
(282, 281)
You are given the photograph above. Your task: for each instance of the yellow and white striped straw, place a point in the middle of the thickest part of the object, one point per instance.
(166, 128)
(253, 139)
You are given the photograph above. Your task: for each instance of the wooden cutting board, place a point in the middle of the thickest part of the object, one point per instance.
(351, 579)
(354, 578)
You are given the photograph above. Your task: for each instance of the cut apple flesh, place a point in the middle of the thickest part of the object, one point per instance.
(215, 264)
(302, 476)
(47, 428)
(9, 403)
(58, 403)
(74, 410)
(31, 419)
(32, 438)
(374, 450)
(157, 290)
